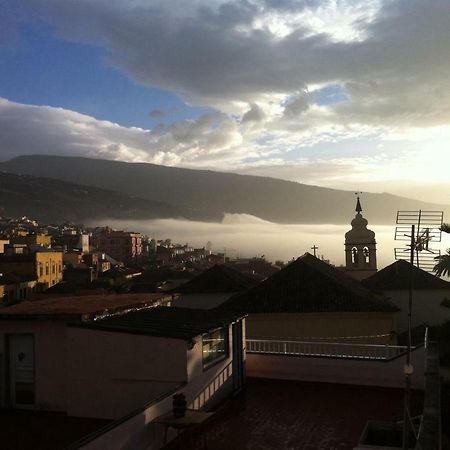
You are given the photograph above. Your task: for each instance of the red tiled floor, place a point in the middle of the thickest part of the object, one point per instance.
(292, 415)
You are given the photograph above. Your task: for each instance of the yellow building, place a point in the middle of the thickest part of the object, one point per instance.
(3, 242)
(32, 239)
(46, 267)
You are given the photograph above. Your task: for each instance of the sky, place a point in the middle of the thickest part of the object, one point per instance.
(339, 93)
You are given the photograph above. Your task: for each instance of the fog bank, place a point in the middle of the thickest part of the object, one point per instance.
(244, 236)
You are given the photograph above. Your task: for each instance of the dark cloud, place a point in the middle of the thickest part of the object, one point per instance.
(254, 114)
(157, 114)
(209, 52)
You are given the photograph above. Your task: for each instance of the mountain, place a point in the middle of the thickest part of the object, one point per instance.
(50, 200)
(209, 194)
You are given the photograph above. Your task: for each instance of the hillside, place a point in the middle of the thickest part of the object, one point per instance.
(51, 200)
(208, 194)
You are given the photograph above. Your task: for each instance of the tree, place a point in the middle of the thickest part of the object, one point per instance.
(443, 262)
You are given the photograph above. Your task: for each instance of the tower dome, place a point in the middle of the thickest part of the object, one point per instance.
(360, 247)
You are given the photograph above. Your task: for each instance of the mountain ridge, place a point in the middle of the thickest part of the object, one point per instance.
(207, 193)
(50, 200)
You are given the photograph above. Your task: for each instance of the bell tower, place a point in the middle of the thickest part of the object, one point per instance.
(360, 247)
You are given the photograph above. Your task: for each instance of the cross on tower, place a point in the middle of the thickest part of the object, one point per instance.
(314, 248)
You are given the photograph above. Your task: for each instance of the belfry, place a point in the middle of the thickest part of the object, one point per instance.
(360, 247)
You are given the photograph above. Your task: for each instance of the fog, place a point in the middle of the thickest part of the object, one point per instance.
(244, 236)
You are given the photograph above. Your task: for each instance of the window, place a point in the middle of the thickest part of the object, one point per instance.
(47, 268)
(215, 346)
(41, 269)
(366, 253)
(354, 256)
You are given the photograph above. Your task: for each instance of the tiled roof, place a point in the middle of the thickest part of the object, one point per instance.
(14, 278)
(165, 321)
(217, 279)
(75, 306)
(396, 276)
(309, 285)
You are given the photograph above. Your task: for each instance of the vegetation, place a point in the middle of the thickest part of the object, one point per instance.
(442, 268)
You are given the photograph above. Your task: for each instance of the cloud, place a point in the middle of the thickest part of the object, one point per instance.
(254, 114)
(29, 129)
(157, 114)
(392, 58)
(385, 62)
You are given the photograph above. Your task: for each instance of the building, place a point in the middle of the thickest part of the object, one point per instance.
(73, 240)
(15, 288)
(3, 242)
(30, 239)
(46, 267)
(431, 295)
(121, 245)
(105, 356)
(310, 300)
(212, 287)
(360, 247)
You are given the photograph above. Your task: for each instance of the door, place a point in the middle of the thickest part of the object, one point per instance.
(21, 370)
(238, 357)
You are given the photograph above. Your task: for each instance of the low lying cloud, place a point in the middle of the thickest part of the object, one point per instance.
(246, 236)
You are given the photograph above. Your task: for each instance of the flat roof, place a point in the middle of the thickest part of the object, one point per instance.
(77, 306)
(287, 415)
(164, 321)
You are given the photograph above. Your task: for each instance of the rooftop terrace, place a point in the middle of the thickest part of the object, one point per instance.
(294, 415)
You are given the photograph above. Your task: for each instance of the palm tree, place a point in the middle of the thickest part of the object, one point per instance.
(443, 262)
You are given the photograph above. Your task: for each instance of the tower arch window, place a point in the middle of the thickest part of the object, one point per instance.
(354, 256)
(366, 254)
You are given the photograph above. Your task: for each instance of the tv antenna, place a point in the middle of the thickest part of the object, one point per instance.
(419, 228)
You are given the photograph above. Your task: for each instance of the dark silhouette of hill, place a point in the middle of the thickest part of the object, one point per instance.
(50, 200)
(207, 194)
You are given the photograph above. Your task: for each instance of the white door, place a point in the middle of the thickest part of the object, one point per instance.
(21, 366)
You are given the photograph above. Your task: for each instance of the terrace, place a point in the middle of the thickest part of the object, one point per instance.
(288, 415)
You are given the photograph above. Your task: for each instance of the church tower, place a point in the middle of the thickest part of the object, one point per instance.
(360, 247)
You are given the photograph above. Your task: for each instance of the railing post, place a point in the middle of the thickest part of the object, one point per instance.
(285, 347)
(386, 351)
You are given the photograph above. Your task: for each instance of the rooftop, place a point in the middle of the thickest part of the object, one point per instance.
(309, 285)
(396, 277)
(76, 306)
(217, 279)
(172, 322)
(288, 415)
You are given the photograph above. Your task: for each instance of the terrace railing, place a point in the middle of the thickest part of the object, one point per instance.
(325, 349)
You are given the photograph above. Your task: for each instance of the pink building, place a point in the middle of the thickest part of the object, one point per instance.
(104, 356)
(121, 245)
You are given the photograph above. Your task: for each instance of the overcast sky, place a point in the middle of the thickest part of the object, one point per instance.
(348, 94)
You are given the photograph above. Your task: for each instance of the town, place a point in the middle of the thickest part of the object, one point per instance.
(117, 340)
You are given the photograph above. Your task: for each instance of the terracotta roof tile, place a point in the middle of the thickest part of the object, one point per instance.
(309, 285)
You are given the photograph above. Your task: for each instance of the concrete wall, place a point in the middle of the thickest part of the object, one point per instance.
(139, 433)
(337, 370)
(426, 307)
(313, 326)
(50, 360)
(111, 374)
